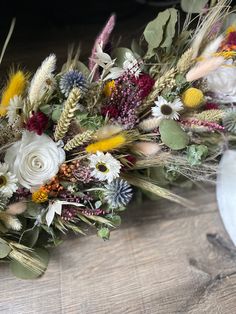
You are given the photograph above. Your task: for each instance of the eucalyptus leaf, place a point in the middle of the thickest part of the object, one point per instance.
(4, 250)
(32, 210)
(81, 67)
(56, 113)
(119, 55)
(172, 135)
(170, 29)
(154, 30)
(23, 272)
(46, 109)
(136, 49)
(30, 237)
(193, 6)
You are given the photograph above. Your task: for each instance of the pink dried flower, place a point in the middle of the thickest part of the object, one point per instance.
(37, 122)
(93, 212)
(83, 174)
(69, 212)
(209, 126)
(102, 40)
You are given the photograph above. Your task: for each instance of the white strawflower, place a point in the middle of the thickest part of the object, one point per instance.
(34, 159)
(104, 166)
(131, 64)
(7, 181)
(222, 82)
(14, 109)
(167, 110)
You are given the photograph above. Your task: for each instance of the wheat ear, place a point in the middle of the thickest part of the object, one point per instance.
(67, 114)
(79, 140)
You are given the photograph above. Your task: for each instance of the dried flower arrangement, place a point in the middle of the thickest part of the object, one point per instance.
(77, 145)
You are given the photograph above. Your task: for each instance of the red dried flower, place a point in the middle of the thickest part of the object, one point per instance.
(37, 122)
(145, 84)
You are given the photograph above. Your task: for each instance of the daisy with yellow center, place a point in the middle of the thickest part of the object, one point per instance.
(104, 166)
(167, 110)
(7, 181)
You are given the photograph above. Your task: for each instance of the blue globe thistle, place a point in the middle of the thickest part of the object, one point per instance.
(229, 120)
(71, 79)
(118, 193)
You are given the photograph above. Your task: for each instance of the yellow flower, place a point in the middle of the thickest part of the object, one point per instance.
(192, 98)
(109, 88)
(15, 86)
(231, 29)
(40, 196)
(107, 144)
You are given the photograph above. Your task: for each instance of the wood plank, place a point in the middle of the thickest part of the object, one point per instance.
(164, 259)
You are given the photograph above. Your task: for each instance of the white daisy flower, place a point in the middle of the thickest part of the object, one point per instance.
(7, 181)
(167, 110)
(104, 166)
(14, 109)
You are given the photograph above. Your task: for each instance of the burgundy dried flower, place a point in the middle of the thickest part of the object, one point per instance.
(145, 84)
(231, 40)
(37, 122)
(110, 111)
(129, 162)
(211, 106)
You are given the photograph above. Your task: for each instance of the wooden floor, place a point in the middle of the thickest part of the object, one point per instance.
(164, 259)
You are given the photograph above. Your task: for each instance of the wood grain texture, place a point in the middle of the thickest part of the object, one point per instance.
(164, 259)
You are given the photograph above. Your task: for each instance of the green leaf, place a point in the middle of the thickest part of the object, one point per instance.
(172, 135)
(33, 210)
(46, 109)
(115, 219)
(56, 113)
(154, 30)
(23, 272)
(104, 233)
(193, 6)
(170, 29)
(136, 49)
(119, 54)
(80, 66)
(196, 153)
(4, 250)
(30, 237)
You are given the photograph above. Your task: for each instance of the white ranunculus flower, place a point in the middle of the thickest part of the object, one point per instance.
(222, 82)
(34, 159)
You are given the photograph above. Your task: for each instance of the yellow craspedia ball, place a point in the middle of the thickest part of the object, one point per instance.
(192, 98)
(109, 88)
